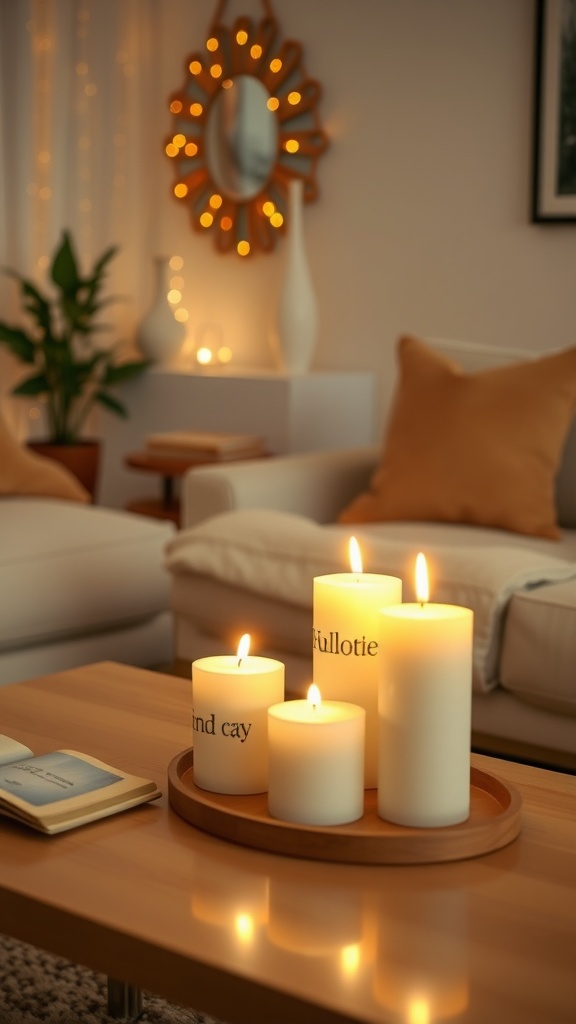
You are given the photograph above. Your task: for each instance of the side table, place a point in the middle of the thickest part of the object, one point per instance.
(168, 468)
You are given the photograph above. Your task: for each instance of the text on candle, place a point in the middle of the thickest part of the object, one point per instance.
(331, 643)
(232, 730)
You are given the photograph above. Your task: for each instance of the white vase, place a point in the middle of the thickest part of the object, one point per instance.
(297, 315)
(160, 335)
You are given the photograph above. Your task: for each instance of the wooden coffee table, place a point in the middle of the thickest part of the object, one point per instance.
(257, 938)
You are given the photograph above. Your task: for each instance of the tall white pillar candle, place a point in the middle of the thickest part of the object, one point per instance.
(231, 695)
(424, 711)
(316, 761)
(346, 642)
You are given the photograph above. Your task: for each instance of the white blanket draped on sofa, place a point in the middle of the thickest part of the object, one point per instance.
(277, 554)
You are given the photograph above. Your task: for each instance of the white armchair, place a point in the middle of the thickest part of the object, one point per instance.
(314, 484)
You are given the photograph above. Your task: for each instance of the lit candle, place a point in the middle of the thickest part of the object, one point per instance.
(316, 761)
(231, 696)
(346, 642)
(424, 710)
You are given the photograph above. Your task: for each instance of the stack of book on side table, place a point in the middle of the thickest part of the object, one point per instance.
(199, 444)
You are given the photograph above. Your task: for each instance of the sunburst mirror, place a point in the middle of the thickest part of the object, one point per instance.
(244, 123)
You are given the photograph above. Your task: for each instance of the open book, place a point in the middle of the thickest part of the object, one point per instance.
(57, 791)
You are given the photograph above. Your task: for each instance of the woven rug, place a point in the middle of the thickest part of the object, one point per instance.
(38, 988)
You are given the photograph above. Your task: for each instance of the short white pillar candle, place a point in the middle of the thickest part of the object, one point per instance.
(316, 761)
(231, 695)
(424, 708)
(346, 644)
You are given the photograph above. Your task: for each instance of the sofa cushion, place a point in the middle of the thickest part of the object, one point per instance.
(539, 651)
(277, 554)
(482, 448)
(68, 568)
(25, 472)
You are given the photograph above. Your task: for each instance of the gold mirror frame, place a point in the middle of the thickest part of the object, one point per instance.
(251, 224)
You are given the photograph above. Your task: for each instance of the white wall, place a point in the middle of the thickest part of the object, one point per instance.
(423, 219)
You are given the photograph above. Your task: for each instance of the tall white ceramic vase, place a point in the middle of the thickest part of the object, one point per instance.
(297, 315)
(159, 334)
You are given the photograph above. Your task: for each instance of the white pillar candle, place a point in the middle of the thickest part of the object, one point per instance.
(346, 642)
(424, 708)
(231, 695)
(316, 761)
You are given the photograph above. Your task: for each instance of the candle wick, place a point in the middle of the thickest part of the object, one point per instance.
(239, 662)
(422, 603)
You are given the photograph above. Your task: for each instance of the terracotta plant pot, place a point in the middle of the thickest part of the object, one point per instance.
(82, 459)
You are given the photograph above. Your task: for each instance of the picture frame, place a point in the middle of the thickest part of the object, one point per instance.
(554, 159)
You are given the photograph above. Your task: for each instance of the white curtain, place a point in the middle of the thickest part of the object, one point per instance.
(77, 91)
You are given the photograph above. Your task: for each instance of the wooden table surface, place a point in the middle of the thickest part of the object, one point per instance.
(256, 938)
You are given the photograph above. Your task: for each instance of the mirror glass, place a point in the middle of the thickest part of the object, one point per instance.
(241, 138)
(244, 124)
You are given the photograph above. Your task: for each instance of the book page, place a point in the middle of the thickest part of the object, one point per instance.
(67, 785)
(53, 777)
(12, 750)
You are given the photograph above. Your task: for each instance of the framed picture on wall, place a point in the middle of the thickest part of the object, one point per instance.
(554, 181)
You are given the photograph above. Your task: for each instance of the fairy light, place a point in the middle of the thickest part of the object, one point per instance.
(85, 92)
(39, 189)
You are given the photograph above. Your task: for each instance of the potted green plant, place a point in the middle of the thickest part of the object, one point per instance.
(69, 369)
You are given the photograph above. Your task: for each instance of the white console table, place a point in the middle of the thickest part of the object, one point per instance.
(294, 413)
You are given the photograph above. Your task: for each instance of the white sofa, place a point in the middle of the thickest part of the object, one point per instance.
(80, 584)
(256, 533)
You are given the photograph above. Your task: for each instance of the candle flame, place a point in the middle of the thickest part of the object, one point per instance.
(355, 556)
(422, 589)
(243, 647)
(314, 696)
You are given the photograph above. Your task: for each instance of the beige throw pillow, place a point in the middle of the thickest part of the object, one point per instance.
(479, 448)
(24, 472)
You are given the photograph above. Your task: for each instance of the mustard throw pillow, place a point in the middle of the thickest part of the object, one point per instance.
(24, 472)
(479, 448)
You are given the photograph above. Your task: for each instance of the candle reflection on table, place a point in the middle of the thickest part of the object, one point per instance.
(228, 895)
(313, 919)
(421, 969)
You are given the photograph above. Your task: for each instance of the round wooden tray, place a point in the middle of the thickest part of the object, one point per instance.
(494, 822)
